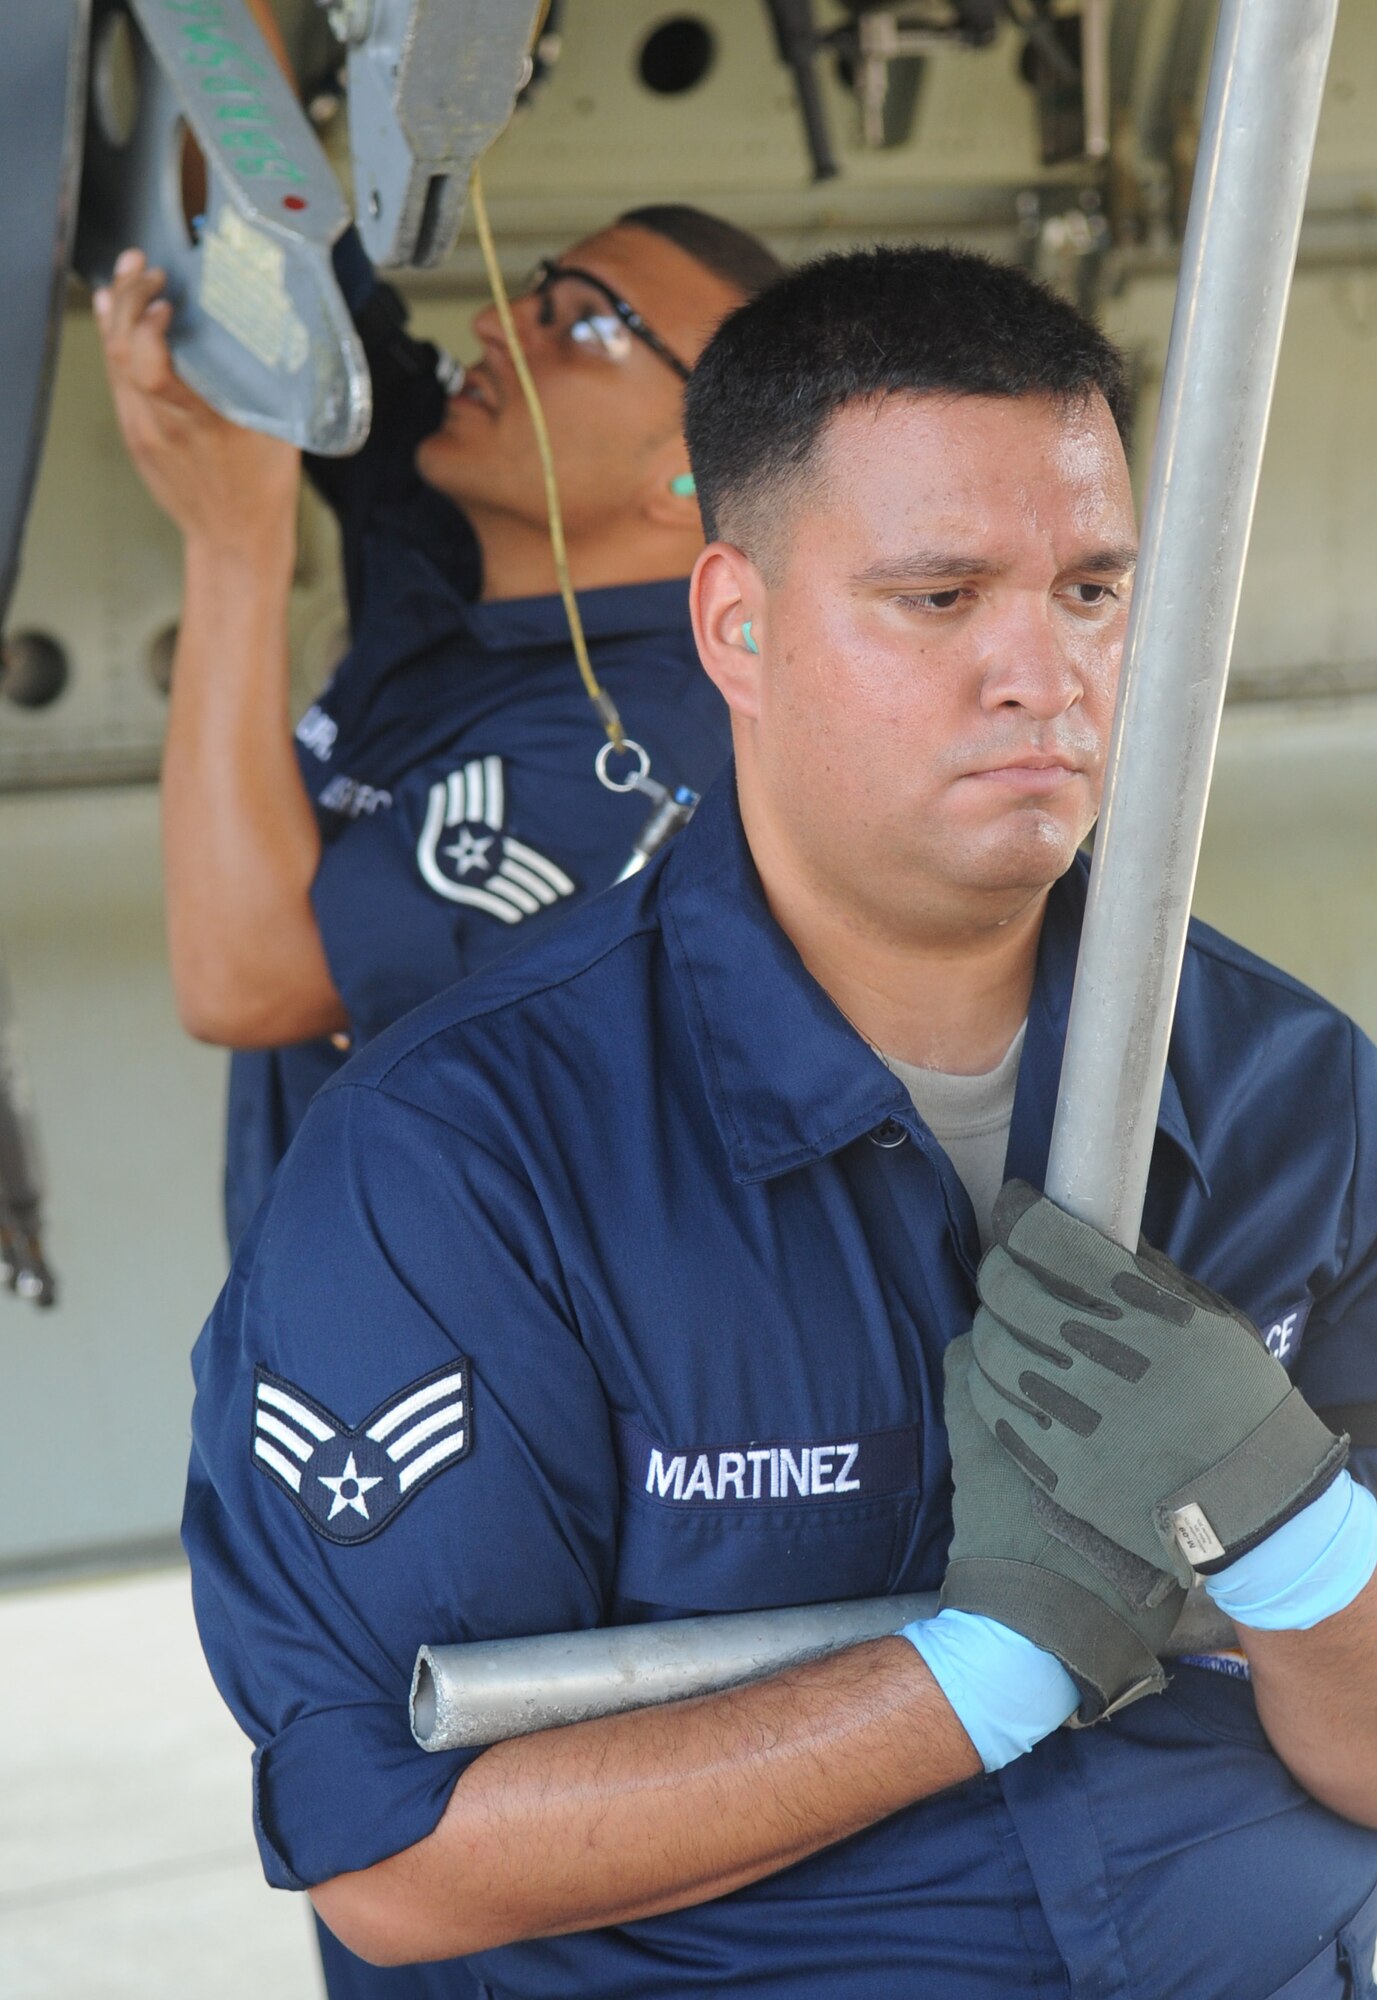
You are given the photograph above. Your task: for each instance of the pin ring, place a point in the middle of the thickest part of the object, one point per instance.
(630, 748)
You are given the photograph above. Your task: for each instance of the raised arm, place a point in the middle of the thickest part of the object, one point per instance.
(239, 835)
(240, 840)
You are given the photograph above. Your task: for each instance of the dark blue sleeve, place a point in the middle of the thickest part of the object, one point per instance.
(392, 1251)
(408, 404)
(465, 864)
(1337, 1369)
(354, 273)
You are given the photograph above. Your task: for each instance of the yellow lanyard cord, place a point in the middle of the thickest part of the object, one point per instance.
(598, 695)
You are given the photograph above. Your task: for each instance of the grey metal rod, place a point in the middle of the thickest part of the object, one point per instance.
(463, 1697)
(1261, 111)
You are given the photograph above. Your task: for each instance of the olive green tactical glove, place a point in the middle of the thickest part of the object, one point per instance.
(1147, 1405)
(1005, 1565)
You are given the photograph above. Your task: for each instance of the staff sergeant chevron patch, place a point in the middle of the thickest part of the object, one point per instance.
(464, 855)
(350, 1482)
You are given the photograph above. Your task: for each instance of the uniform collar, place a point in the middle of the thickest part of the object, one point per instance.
(618, 611)
(788, 1079)
(1048, 1012)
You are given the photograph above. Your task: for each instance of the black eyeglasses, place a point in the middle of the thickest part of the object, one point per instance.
(563, 291)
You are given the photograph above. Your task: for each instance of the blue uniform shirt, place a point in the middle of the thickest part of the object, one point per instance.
(451, 757)
(615, 1286)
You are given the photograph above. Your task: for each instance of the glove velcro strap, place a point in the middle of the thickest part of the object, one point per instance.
(1291, 1457)
(1102, 1653)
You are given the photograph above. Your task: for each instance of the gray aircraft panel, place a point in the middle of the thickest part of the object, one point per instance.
(42, 86)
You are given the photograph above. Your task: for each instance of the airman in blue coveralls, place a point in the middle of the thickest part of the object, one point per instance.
(642, 1276)
(439, 801)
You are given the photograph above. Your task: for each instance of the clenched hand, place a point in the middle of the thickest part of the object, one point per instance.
(229, 490)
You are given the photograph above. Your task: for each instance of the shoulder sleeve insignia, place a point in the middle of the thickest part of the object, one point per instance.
(465, 856)
(349, 1481)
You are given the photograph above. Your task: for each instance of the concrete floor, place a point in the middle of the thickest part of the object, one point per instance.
(127, 1864)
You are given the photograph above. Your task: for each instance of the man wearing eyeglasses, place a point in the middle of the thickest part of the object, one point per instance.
(439, 802)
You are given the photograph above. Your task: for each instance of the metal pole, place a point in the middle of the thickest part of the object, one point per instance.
(1095, 77)
(1261, 111)
(463, 1697)
(484, 1693)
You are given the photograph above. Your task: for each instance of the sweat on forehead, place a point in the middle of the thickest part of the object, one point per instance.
(860, 327)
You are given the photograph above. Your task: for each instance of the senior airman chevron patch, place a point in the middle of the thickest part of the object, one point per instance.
(349, 1481)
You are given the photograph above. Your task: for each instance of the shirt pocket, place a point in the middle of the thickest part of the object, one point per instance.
(752, 1527)
(1347, 1967)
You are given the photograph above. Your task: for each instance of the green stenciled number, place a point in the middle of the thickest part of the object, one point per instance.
(259, 153)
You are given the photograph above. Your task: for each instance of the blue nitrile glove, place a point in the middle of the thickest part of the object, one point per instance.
(1026, 1602)
(1007, 1693)
(1306, 1570)
(1145, 1407)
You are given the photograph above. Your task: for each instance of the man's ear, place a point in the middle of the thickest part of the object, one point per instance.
(727, 604)
(667, 497)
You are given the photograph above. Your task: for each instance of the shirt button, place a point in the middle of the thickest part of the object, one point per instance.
(342, 1042)
(888, 1135)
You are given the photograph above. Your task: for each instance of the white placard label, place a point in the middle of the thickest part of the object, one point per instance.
(1195, 1537)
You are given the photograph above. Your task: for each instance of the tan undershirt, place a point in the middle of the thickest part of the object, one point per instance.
(969, 1116)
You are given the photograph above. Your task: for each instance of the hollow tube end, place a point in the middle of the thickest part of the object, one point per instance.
(424, 1700)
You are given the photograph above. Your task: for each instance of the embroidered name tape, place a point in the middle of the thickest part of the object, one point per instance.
(352, 799)
(1232, 1664)
(757, 1473)
(350, 1481)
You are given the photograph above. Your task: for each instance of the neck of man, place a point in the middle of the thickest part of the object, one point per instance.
(946, 990)
(518, 561)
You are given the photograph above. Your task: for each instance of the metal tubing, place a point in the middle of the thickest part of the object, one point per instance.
(1095, 77)
(1261, 111)
(463, 1697)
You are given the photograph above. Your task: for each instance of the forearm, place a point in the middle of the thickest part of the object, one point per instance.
(609, 1821)
(1305, 1604)
(241, 845)
(1317, 1699)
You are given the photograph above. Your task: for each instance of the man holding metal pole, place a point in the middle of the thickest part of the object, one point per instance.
(622, 1285)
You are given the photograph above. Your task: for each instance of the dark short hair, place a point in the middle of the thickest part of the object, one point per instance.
(720, 247)
(856, 326)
